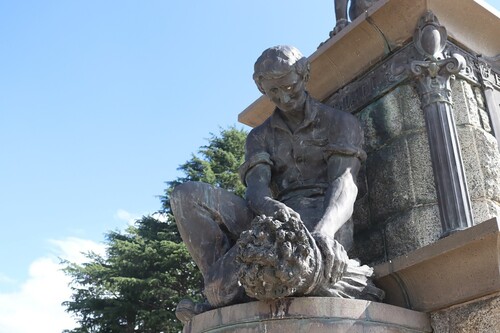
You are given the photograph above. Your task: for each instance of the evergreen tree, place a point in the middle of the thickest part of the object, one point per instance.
(217, 163)
(136, 286)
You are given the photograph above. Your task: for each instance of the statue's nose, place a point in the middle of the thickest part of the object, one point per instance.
(284, 97)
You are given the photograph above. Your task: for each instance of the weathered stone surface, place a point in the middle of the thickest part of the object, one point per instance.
(484, 210)
(389, 180)
(485, 120)
(369, 247)
(382, 121)
(422, 178)
(310, 314)
(482, 162)
(409, 103)
(391, 116)
(465, 104)
(489, 159)
(471, 160)
(481, 315)
(361, 214)
(412, 230)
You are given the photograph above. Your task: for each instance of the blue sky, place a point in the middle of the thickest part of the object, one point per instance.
(100, 101)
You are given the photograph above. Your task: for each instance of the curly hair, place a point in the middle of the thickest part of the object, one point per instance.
(278, 61)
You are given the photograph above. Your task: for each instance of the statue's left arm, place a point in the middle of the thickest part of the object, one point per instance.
(341, 194)
(344, 161)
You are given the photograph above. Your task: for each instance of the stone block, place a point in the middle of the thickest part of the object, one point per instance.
(485, 120)
(471, 160)
(369, 247)
(411, 230)
(388, 173)
(381, 121)
(465, 104)
(489, 159)
(482, 315)
(484, 210)
(422, 177)
(361, 214)
(409, 104)
(481, 103)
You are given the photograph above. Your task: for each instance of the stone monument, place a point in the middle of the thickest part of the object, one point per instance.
(421, 80)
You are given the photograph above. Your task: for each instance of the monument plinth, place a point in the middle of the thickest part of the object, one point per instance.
(310, 314)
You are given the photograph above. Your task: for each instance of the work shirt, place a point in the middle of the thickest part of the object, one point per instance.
(299, 160)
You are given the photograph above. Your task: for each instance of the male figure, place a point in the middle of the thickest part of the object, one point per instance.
(303, 161)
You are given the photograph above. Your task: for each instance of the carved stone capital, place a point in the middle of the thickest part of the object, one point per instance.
(433, 78)
(435, 70)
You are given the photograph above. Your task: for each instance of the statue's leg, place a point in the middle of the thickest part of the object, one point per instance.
(210, 220)
(340, 16)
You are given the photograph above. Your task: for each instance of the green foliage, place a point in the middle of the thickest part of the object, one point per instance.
(136, 286)
(217, 164)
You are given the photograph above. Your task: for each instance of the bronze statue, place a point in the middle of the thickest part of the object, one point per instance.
(300, 170)
(356, 8)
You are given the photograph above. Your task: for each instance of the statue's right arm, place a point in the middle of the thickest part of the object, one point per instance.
(256, 175)
(259, 195)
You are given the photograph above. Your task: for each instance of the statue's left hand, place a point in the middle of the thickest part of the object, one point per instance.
(334, 257)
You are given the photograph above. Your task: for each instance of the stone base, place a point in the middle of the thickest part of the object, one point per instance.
(310, 314)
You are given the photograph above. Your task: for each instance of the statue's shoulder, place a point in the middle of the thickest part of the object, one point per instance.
(259, 133)
(336, 116)
(343, 125)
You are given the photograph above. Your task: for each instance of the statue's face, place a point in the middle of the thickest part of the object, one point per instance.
(287, 92)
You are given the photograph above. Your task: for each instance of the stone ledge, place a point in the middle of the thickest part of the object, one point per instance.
(384, 28)
(461, 267)
(310, 314)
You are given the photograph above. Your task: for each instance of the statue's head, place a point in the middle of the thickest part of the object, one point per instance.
(281, 73)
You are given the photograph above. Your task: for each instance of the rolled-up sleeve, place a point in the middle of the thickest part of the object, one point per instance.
(255, 152)
(259, 158)
(345, 149)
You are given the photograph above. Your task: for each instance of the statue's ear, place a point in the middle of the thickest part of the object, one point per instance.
(306, 77)
(307, 74)
(260, 87)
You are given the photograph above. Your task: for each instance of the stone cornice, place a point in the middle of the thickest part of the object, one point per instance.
(384, 28)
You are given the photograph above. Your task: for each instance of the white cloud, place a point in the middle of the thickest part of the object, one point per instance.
(130, 218)
(160, 217)
(123, 215)
(36, 306)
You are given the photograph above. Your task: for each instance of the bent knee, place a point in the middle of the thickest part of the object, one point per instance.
(186, 195)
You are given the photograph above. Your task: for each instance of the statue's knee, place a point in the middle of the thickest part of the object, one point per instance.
(181, 196)
(185, 197)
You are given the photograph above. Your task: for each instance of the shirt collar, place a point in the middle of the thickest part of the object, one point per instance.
(310, 111)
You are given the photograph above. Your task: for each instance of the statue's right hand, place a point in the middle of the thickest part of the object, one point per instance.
(283, 213)
(280, 211)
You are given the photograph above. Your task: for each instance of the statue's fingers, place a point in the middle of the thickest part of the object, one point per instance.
(329, 260)
(295, 215)
(340, 260)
